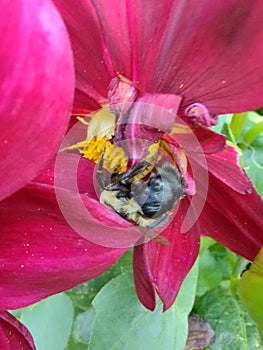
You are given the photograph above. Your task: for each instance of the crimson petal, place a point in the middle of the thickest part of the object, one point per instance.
(233, 219)
(14, 335)
(205, 61)
(36, 89)
(225, 166)
(168, 266)
(40, 253)
(206, 54)
(198, 139)
(90, 53)
(143, 277)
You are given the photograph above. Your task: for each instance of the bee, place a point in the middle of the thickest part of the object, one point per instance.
(144, 200)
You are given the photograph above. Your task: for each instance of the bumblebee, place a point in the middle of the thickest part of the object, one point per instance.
(143, 197)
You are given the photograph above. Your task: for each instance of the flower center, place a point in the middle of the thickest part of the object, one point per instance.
(142, 191)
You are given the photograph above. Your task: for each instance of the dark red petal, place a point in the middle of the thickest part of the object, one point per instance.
(143, 277)
(233, 219)
(168, 265)
(79, 203)
(92, 60)
(13, 334)
(84, 104)
(225, 166)
(40, 253)
(36, 89)
(207, 53)
(199, 139)
(200, 51)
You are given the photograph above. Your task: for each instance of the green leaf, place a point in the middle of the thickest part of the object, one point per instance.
(252, 128)
(233, 327)
(83, 326)
(252, 160)
(226, 130)
(222, 119)
(237, 123)
(83, 295)
(252, 133)
(210, 274)
(122, 323)
(250, 290)
(206, 242)
(50, 322)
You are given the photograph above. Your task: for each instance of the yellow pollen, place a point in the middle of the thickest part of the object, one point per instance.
(114, 159)
(94, 148)
(100, 129)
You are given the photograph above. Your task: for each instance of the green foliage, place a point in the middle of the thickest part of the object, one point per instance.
(250, 290)
(50, 322)
(245, 130)
(83, 295)
(234, 330)
(122, 323)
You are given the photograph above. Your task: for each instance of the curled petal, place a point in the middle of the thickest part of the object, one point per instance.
(167, 266)
(40, 253)
(14, 335)
(36, 89)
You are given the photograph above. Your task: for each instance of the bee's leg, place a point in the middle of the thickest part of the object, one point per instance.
(159, 239)
(129, 176)
(99, 174)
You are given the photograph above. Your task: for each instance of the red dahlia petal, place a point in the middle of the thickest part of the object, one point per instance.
(226, 168)
(92, 59)
(167, 266)
(232, 218)
(207, 54)
(14, 335)
(198, 139)
(36, 89)
(40, 253)
(143, 277)
(201, 51)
